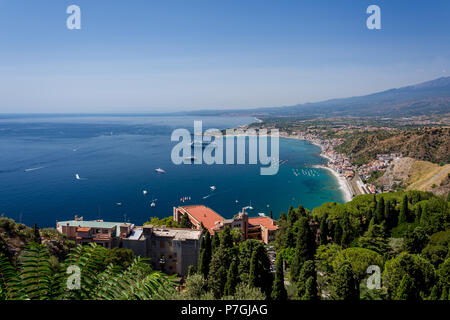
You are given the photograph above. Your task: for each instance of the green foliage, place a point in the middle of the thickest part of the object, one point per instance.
(246, 292)
(168, 222)
(205, 254)
(279, 292)
(196, 288)
(305, 247)
(185, 222)
(119, 257)
(36, 234)
(359, 259)
(307, 282)
(326, 255)
(232, 279)
(246, 250)
(407, 289)
(260, 275)
(374, 238)
(218, 270)
(324, 230)
(420, 270)
(415, 240)
(437, 248)
(40, 277)
(226, 239)
(404, 211)
(344, 285)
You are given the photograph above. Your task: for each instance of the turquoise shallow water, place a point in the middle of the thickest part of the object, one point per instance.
(116, 157)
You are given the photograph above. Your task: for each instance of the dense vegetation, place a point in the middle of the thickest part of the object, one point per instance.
(40, 265)
(407, 235)
(232, 269)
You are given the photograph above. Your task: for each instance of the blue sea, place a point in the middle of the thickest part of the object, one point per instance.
(115, 157)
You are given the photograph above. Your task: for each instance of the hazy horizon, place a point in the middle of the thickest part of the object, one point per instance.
(159, 57)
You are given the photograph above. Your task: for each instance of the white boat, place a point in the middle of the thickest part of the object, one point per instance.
(144, 192)
(119, 203)
(77, 176)
(159, 170)
(153, 204)
(261, 214)
(213, 188)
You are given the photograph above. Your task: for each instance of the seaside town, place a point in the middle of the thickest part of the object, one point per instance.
(353, 179)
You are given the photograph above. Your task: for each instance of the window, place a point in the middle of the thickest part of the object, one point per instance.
(105, 231)
(169, 242)
(153, 243)
(161, 244)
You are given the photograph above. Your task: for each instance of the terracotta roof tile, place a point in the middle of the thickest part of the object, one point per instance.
(264, 221)
(204, 215)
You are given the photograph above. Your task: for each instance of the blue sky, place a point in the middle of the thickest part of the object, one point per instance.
(167, 55)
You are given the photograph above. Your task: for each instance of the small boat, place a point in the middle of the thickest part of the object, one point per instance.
(261, 214)
(153, 204)
(213, 188)
(159, 170)
(119, 203)
(77, 176)
(144, 192)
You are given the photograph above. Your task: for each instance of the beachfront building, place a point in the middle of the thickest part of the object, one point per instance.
(260, 228)
(171, 250)
(106, 234)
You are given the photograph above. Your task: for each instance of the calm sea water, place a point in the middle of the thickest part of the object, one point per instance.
(116, 157)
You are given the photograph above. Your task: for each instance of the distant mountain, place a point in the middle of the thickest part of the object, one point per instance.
(427, 98)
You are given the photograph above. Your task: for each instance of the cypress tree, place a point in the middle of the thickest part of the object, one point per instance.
(215, 242)
(337, 232)
(292, 216)
(271, 215)
(380, 211)
(305, 247)
(289, 239)
(324, 230)
(36, 234)
(407, 289)
(445, 295)
(218, 270)
(310, 289)
(301, 211)
(418, 214)
(388, 215)
(232, 279)
(282, 217)
(344, 285)
(279, 292)
(403, 217)
(260, 275)
(346, 231)
(205, 255)
(307, 291)
(435, 293)
(226, 239)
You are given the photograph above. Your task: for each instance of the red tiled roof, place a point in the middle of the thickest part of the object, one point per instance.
(264, 221)
(204, 215)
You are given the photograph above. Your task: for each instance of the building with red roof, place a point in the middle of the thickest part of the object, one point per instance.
(260, 228)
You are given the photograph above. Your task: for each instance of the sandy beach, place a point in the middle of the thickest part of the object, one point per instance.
(343, 183)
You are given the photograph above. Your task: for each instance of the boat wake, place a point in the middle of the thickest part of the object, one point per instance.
(33, 169)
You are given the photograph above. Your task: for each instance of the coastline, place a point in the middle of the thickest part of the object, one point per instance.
(343, 182)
